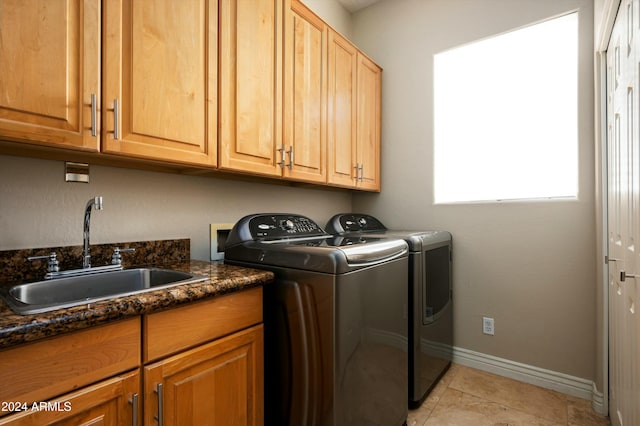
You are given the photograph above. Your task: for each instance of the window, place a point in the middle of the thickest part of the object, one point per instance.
(505, 116)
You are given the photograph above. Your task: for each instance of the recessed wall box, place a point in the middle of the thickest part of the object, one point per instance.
(76, 172)
(219, 233)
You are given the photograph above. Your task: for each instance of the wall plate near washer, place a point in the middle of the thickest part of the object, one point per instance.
(219, 233)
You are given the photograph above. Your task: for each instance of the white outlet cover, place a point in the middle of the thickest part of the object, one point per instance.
(216, 230)
(488, 326)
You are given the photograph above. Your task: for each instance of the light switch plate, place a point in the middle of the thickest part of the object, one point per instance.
(219, 233)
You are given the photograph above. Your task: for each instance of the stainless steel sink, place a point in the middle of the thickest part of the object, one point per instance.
(43, 296)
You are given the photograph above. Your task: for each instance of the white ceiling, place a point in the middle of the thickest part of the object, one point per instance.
(355, 5)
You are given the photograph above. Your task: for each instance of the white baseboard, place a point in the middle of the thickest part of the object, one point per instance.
(597, 401)
(564, 383)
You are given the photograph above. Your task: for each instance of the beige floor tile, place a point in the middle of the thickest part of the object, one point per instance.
(457, 408)
(416, 417)
(465, 397)
(580, 413)
(522, 397)
(419, 416)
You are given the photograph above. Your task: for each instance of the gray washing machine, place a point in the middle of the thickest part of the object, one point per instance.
(430, 297)
(335, 321)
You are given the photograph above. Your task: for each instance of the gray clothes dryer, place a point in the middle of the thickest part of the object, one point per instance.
(430, 297)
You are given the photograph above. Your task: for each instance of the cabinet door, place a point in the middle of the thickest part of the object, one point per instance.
(219, 383)
(251, 85)
(160, 80)
(305, 95)
(49, 70)
(342, 109)
(108, 403)
(368, 132)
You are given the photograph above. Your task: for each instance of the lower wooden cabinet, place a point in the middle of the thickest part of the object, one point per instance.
(208, 371)
(219, 383)
(108, 403)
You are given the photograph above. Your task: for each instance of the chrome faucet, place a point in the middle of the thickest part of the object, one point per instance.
(86, 255)
(53, 267)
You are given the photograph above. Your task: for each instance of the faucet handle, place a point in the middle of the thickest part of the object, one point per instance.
(52, 263)
(116, 258)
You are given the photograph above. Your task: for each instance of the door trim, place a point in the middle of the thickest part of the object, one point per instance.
(601, 43)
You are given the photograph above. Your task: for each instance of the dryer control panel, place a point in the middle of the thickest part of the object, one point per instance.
(353, 222)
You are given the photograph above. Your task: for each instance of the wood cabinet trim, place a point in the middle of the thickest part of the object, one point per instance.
(43, 369)
(203, 363)
(105, 402)
(169, 332)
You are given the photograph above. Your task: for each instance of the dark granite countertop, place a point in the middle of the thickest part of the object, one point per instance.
(16, 329)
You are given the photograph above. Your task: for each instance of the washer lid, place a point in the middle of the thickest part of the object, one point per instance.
(293, 241)
(329, 255)
(371, 250)
(363, 224)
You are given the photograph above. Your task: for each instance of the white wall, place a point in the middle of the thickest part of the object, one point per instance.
(38, 209)
(529, 265)
(332, 13)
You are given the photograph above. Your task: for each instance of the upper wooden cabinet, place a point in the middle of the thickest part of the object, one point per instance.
(303, 153)
(49, 72)
(274, 117)
(251, 85)
(342, 110)
(368, 127)
(263, 87)
(354, 117)
(160, 79)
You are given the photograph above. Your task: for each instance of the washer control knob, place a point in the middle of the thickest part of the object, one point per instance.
(287, 225)
(362, 222)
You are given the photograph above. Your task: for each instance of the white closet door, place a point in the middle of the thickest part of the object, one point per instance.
(623, 149)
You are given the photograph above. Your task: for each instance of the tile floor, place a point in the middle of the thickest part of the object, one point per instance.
(469, 397)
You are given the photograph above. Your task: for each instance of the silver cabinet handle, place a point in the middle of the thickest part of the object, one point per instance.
(624, 276)
(134, 402)
(159, 417)
(290, 152)
(116, 119)
(357, 167)
(361, 169)
(282, 152)
(94, 115)
(608, 259)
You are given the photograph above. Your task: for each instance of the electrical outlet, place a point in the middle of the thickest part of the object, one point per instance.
(487, 325)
